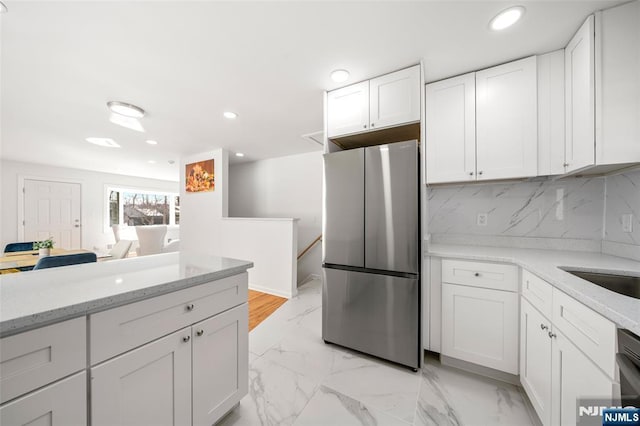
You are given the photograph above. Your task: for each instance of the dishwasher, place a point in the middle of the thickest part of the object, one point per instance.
(628, 359)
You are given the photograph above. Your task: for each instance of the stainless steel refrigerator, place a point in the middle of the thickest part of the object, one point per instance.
(371, 251)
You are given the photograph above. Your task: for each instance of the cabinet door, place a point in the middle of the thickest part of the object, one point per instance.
(395, 98)
(220, 364)
(506, 120)
(618, 84)
(450, 116)
(61, 404)
(348, 110)
(575, 377)
(150, 385)
(580, 99)
(535, 359)
(480, 326)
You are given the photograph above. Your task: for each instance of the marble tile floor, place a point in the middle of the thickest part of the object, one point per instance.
(297, 379)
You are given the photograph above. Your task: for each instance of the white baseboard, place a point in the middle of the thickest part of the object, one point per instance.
(271, 291)
(310, 277)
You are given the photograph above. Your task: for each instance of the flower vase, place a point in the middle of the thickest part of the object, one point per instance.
(44, 252)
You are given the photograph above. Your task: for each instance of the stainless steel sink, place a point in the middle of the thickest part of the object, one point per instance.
(622, 284)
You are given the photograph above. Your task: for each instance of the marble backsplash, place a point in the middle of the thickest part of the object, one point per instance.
(622, 197)
(570, 208)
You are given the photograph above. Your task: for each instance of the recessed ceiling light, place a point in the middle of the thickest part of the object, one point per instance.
(106, 142)
(128, 110)
(3, 8)
(171, 161)
(151, 161)
(507, 18)
(239, 154)
(230, 115)
(339, 75)
(150, 142)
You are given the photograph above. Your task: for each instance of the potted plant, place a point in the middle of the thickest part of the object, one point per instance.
(44, 247)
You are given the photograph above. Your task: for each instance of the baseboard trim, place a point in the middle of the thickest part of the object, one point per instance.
(287, 295)
(480, 370)
(310, 277)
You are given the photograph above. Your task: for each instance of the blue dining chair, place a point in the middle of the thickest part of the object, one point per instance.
(67, 259)
(26, 246)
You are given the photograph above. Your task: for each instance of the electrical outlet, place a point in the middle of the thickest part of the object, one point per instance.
(482, 219)
(627, 222)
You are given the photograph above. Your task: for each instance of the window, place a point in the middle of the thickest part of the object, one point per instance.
(141, 207)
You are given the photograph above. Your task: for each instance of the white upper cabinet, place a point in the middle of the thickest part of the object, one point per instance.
(389, 100)
(618, 85)
(580, 99)
(506, 120)
(348, 109)
(395, 98)
(483, 125)
(450, 108)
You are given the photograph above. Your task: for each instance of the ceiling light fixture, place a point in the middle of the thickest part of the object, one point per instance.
(105, 142)
(230, 115)
(150, 142)
(3, 8)
(339, 75)
(239, 154)
(128, 110)
(507, 18)
(124, 121)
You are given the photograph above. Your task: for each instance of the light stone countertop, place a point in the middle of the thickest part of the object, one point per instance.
(623, 310)
(36, 298)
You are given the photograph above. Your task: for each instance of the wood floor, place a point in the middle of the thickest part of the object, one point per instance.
(261, 305)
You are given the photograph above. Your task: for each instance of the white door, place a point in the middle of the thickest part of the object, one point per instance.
(348, 110)
(535, 359)
(507, 120)
(150, 385)
(580, 99)
(395, 98)
(451, 129)
(52, 209)
(60, 404)
(220, 364)
(574, 377)
(480, 326)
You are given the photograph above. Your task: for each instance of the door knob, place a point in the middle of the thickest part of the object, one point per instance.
(199, 332)
(186, 339)
(190, 307)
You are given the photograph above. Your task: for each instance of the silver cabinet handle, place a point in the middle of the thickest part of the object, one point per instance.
(199, 333)
(552, 335)
(186, 339)
(480, 172)
(477, 274)
(364, 126)
(544, 327)
(190, 307)
(566, 164)
(373, 124)
(470, 173)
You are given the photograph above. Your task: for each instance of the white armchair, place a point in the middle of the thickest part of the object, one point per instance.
(150, 239)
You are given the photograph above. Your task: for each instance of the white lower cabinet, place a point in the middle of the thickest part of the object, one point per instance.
(60, 404)
(156, 383)
(554, 371)
(574, 377)
(535, 359)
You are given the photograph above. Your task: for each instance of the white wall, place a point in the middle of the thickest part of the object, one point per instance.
(270, 244)
(283, 187)
(94, 209)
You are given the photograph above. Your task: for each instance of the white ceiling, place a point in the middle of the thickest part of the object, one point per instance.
(187, 62)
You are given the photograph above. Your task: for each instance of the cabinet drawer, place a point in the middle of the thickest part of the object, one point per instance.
(121, 329)
(589, 331)
(61, 404)
(35, 358)
(538, 292)
(480, 274)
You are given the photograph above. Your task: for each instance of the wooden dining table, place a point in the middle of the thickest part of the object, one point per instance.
(13, 261)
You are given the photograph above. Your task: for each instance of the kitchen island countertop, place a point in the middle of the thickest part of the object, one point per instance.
(36, 298)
